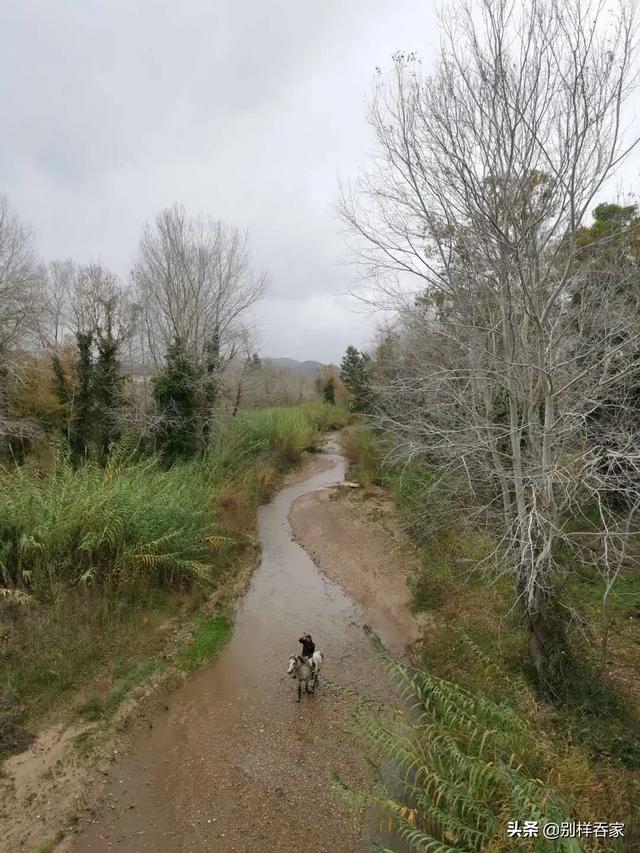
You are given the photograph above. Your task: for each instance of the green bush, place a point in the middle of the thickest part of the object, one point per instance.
(208, 636)
(281, 433)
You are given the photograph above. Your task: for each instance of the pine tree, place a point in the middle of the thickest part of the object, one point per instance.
(353, 372)
(175, 393)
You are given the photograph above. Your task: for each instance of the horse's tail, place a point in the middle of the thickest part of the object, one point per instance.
(318, 659)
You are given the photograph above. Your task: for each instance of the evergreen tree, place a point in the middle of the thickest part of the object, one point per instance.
(60, 382)
(63, 392)
(107, 385)
(83, 416)
(175, 393)
(354, 374)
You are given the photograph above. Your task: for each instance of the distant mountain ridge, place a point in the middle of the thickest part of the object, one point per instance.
(304, 368)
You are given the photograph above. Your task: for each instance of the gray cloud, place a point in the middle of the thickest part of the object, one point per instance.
(242, 109)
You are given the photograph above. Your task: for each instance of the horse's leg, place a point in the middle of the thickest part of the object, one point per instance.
(299, 690)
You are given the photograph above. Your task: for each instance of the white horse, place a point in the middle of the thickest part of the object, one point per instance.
(300, 668)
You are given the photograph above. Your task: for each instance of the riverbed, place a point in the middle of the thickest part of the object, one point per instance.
(233, 763)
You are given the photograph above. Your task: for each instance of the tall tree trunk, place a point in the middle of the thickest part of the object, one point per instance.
(540, 628)
(540, 635)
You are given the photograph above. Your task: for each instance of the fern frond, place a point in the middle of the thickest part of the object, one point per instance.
(459, 765)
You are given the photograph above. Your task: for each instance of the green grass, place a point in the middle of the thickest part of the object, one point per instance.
(284, 433)
(81, 644)
(324, 417)
(85, 743)
(115, 527)
(97, 707)
(209, 636)
(365, 455)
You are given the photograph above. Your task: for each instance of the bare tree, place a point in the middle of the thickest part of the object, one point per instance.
(483, 174)
(20, 302)
(195, 283)
(20, 279)
(78, 297)
(99, 300)
(251, 382)
(60, 284)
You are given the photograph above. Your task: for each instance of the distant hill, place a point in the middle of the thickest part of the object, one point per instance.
(304, 368)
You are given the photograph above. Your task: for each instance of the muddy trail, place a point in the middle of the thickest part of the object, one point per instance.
(233, 763)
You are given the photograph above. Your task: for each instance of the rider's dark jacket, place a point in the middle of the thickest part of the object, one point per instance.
(308, 647)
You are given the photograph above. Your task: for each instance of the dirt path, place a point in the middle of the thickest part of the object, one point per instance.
(342, 533)
(233, 763)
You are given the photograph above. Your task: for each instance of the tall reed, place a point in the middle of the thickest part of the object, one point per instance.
(133, 520)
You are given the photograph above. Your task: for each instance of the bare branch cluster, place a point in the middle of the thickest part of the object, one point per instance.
(195, 282)
(512, 342)
(20, 277)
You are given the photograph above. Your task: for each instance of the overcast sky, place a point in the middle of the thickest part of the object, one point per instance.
(247, 110)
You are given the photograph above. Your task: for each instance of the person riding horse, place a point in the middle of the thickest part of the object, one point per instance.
(306, 667)
(308, 648)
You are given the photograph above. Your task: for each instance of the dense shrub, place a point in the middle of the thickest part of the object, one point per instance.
(134, 520)
(107, 526)
(284, 432)
(365, 454)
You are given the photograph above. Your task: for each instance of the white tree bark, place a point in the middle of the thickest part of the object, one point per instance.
(482, 177)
